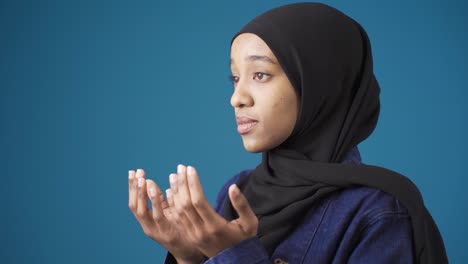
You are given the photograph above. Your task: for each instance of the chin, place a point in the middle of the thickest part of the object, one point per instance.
(254, 148)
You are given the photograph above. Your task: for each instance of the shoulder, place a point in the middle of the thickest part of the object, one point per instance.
(354, 209)
(360, 207)
(351, 221)
(373, 225)
(367, 200)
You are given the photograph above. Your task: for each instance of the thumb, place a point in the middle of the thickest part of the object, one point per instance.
(247, 218)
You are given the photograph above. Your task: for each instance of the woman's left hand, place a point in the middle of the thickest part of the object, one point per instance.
(207, 230)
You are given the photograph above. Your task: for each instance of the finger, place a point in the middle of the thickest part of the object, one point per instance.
(170, 202)
(154, 193)
(140, 173)
(164, 204)
(142, 199)
(179, 204)
(182, 199)
(201, 205)
(132, 191)
(141, 215)
(247, 218)
(173, 183)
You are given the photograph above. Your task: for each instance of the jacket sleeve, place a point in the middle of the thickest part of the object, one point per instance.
(249, 251)
(387, 238)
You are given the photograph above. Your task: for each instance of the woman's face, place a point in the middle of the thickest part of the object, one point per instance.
(265, 103)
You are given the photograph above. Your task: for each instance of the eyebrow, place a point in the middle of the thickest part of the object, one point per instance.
(252, 58)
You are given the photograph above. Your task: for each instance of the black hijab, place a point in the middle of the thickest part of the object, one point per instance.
(327, 58)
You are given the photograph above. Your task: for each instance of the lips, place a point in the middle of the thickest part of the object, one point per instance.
(245, 124)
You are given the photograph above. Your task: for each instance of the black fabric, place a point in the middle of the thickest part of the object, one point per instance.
(327, 58)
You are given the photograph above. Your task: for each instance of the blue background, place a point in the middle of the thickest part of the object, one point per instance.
(91, 89)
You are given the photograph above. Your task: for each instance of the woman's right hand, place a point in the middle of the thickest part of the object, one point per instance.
(159, 223)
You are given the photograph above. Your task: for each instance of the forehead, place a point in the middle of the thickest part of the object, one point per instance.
(248, 44)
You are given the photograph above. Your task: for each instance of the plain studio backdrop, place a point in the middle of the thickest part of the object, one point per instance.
(91, 89)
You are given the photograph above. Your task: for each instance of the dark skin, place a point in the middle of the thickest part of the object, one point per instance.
(185, 223)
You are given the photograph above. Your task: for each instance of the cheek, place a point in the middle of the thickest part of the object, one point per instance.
(280, 103)
(285, 108)
(282, 119)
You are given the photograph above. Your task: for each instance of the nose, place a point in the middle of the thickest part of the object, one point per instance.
(241, 97)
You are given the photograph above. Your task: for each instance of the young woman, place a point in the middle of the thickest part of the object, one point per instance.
(305, 96)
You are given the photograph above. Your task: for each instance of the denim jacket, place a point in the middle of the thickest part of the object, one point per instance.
(353, 225)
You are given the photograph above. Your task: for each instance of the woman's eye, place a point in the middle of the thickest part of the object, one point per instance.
(261, 76)
(233, 79)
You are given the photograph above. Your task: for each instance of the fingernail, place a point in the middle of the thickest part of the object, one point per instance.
(152, 192)
(168, 193)
(130, 174)
(140, 182)
(190, 171)
(139, 173)
(235, 190)
(180, 168)
(173, 178)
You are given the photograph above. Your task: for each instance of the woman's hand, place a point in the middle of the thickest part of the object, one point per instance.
(160, 224)
(203, 227)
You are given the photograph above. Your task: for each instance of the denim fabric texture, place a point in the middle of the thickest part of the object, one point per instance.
(353, 225)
